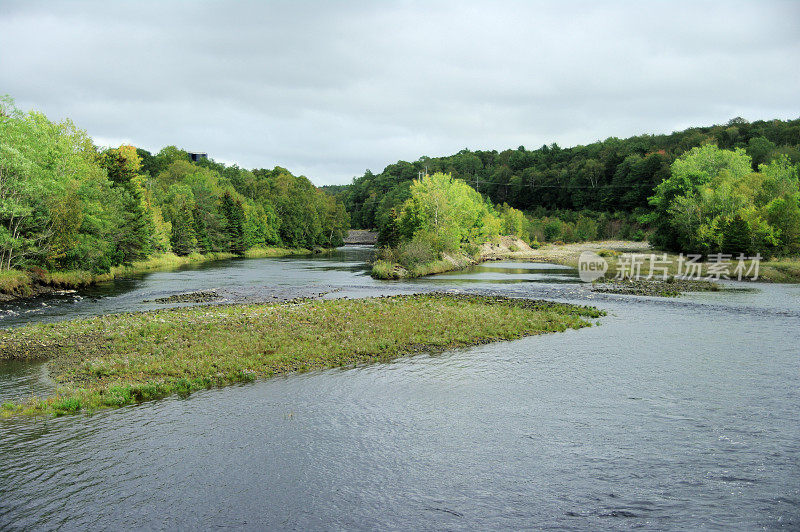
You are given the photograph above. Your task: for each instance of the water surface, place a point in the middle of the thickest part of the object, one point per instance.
(672, 414)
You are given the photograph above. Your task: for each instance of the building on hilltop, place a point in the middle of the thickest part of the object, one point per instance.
(196, 155)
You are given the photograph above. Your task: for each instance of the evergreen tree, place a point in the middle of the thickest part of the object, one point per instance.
(135, 227)
(201, 231)
(183, 238)
(233, 212)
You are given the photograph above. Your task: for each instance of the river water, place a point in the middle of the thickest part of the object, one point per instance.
(671, 414)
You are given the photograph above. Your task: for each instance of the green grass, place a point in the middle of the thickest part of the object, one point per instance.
(785, 270)
(115, 360)
(384, 269)
(265, 252)
(167, 261)
(71, 278)
(14, 281)
(776, 270)
(781, 270)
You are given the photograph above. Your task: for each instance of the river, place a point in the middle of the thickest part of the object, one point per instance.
(671, 414)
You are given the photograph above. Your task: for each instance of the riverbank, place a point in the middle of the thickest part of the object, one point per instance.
(19, 284)
(778, 270)
(781, 270)
(120, 359)
(502, 248)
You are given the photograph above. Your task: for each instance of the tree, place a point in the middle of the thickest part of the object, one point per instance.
(676, 215)
(183, 239)
(713, 202)
(122, 164)
(56, 207)
(178, 207)
(447, 212)
(760, 150)
(234, 219)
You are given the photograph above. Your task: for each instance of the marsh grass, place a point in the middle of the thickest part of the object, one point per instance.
(388, 267)
(781, 270)
(384, 269)
(14, 281)
(267, 252)
(776, 270)
(115, 360)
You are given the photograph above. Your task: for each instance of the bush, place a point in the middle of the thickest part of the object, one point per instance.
(585, 229)
(388, 254)
(417, 251)
(382, 269)
(552, 229)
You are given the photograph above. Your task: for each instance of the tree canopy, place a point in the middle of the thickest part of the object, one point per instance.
(713, 202)
(613, 175)
(66, 205)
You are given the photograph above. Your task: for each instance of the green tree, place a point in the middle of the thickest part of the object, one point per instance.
(448, 212)
(714, 202)
(234, 223)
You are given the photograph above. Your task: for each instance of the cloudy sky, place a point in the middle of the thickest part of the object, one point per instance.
(328, 89)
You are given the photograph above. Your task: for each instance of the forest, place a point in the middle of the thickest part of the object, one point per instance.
(601, 190)
(66, 205)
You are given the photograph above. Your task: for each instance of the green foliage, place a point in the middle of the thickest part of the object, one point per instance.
(513, 222)
(571, 226)
(66, 206)
(233, 212)
(713, 202)
(57, 206)
(446, 212)
(613, 176)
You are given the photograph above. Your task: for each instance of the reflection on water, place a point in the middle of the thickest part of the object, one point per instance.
(672, 414)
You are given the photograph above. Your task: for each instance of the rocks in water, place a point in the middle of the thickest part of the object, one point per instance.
(203, 296)
(658, 288)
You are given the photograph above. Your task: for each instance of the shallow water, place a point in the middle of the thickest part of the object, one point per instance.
(672, 414)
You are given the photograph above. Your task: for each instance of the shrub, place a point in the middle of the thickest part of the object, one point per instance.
(608, 253)
(418, 250)
(585, 229)
(552, 229)
(382, 269)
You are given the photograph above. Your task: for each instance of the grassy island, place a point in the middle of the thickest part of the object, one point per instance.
(115, 360)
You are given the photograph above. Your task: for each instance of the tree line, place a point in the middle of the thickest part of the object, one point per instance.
(67, 205)
(612, 176)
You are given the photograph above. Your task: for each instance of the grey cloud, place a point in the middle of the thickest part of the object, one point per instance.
(331, 88)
